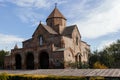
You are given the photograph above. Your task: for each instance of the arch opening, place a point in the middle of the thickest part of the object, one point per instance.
(43, 60)
(30, 61)
(18, 61)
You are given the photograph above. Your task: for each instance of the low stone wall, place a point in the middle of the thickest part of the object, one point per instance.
(69, 72)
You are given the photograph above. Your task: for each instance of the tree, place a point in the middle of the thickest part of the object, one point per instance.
(106, 59)
(109, 56)
(114, 49)
(2, 56)
(94, 57)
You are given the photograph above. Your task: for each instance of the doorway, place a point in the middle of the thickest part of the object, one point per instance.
(18, 61)
(44, 60)
(30, 61)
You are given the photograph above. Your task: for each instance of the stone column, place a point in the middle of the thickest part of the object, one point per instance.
(13, 62)
(23, 61)
(51, 65)
(36, 61)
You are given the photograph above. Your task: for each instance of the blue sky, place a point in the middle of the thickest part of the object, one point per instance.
(98, 20)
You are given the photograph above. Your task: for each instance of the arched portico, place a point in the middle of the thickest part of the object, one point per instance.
(29, 61)
(43, 60)
(18, 60)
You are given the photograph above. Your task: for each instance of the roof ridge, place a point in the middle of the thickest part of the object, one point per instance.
(71, 25)
(49, 29)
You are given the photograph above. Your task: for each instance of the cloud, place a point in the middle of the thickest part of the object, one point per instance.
(30, 3)
(95, 18)
(8, 40)
(28, 10)
(2, 3)
(104, 44)
(29, 16)
(35, 3)
(94, 22)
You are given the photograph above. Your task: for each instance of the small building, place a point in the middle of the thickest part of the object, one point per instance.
(52, 46)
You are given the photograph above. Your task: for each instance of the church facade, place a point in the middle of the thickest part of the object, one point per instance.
(52, 46)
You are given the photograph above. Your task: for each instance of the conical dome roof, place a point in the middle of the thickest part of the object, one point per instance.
(56, 14)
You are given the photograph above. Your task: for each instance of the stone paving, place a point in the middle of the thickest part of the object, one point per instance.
(69, 72)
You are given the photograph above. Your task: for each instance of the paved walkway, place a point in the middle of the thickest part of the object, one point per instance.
(69, 72)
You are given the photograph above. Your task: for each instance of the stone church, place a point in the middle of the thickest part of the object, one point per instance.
(52, 46)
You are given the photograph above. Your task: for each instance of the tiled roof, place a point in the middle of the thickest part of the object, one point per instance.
(85, 43)
(27, 40)
(49, 29)
(60, 49)
(56, 13)
(68, 30)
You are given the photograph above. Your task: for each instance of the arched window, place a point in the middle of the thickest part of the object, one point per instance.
(41, 40)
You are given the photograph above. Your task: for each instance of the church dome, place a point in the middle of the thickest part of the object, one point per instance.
(56, 14)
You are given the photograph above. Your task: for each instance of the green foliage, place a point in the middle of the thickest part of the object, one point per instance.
(106, 59)
(84, 65)
(2, 56)
(78, 65)
(4, 76)
(109, 56)
(41, 77)
(72, 65)
(93, 58)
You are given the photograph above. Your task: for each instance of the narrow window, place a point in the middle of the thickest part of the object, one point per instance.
(40, 40)
(76, 40)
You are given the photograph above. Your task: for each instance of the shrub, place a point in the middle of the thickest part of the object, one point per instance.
(98, 65)
(97, 78)
(78, 65)
(4, 76)
(41, 77)
(84, 65)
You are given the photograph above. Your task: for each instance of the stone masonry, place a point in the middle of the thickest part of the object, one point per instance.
(52, 46)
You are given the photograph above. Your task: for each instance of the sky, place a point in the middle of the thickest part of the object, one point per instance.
(98, 20)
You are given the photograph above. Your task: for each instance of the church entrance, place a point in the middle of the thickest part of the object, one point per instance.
(18, 61)
(30, 61)
(78, 60)
(44, 60)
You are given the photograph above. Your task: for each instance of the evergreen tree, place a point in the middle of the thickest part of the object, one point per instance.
(2, 56)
